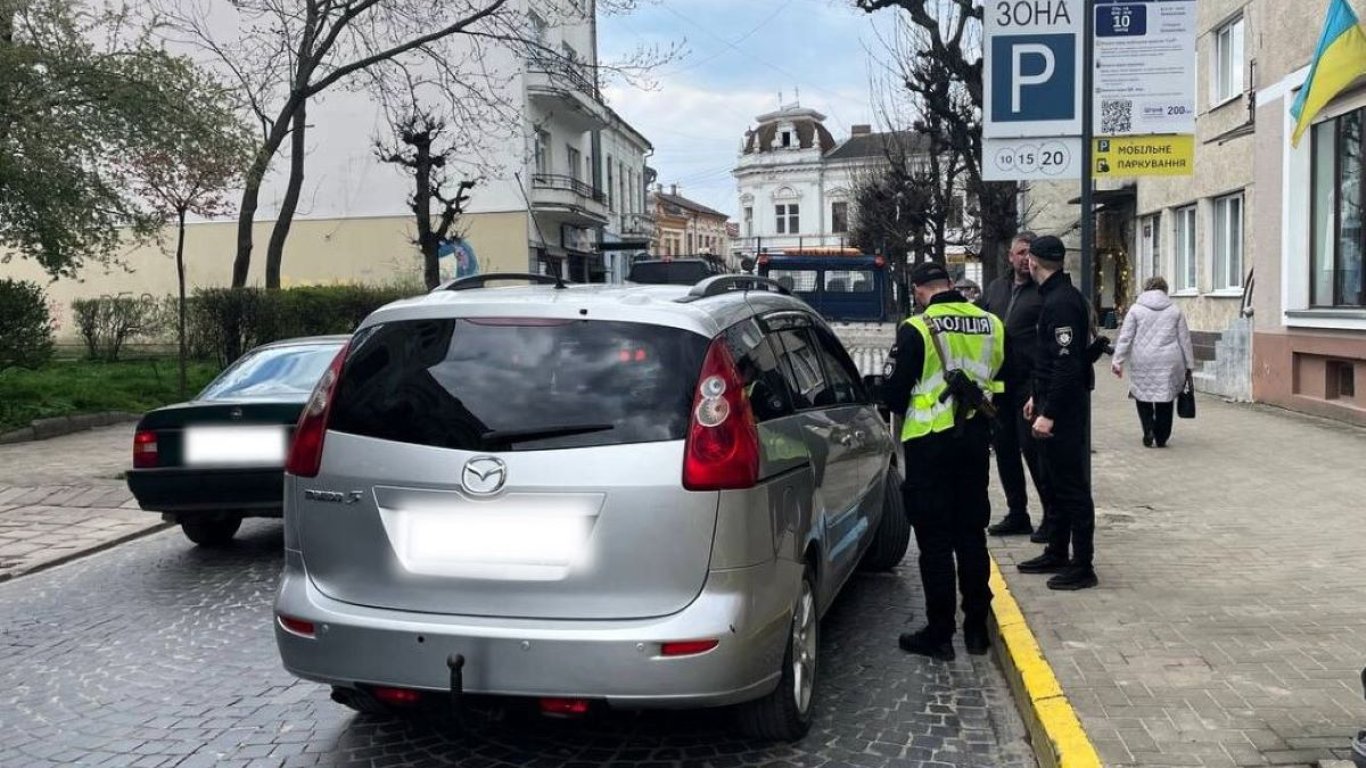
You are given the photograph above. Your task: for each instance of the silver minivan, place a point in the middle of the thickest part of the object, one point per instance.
(638, 497)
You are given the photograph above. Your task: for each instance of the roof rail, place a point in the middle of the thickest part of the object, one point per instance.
(715, 286)
(480, 281)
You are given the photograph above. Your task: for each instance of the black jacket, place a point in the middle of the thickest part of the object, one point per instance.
(1018, 306)
(1063, 370)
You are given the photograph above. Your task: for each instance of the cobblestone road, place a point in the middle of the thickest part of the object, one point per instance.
(159, 654)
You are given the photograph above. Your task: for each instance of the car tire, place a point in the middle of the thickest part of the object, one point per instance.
(893, 535)
(785, 714)
(211, 531)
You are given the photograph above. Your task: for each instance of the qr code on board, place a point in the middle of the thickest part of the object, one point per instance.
(1116, 116)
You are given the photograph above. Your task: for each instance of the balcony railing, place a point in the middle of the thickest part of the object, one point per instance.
(571, 74)
(568, 184)
(638, 223)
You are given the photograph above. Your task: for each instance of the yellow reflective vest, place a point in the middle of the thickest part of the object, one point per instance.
(974, 339)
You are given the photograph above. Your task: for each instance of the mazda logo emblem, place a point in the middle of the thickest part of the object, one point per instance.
(484, 476)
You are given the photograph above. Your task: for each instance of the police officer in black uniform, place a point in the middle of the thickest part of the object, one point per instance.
(1059, 412)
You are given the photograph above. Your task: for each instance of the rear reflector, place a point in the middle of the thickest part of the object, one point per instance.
(688, 648)
(298, 626)
(397, 697)
(145, 449)
(564, 707)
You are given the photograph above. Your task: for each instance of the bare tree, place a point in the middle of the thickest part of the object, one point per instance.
(287, 53)
(942, 69)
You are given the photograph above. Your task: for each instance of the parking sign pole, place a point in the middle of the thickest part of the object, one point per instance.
(1088, 219)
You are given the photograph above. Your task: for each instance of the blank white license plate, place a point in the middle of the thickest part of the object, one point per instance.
(235, 446)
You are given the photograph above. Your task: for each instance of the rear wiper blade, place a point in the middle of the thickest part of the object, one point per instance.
(499, 436)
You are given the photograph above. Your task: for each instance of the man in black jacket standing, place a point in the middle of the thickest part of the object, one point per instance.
(1059, 413)
(1015, 299)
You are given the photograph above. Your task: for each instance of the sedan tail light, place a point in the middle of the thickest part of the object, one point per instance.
(722, 451)
(145, 449)
(306, 449)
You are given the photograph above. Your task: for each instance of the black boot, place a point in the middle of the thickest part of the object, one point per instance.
(923, 644)
(976, 639)
(1013, 524)
(1045, 563)
(1074, 578)
(1043, 534)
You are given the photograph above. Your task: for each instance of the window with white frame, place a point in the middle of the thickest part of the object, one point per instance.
(1150, 253)
(611, 198)
(1184, 251)
(788, 220)
(749, 221)
(1227, 72)
(839, 217)
(1228, 242)
(543, 152)
(573, 161)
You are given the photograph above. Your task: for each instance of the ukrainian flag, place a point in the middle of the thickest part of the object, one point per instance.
(1340, 59)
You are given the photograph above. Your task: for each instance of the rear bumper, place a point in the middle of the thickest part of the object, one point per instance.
(748, 610)
(256, 492)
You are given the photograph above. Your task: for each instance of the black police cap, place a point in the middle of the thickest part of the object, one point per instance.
(929, 272)
(1048, 248)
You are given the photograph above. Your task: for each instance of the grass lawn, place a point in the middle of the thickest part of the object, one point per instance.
(67, 387)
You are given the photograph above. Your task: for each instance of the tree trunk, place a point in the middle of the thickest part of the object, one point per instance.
(180, 277)
(427, 240)
(251, 192)
(275, 251)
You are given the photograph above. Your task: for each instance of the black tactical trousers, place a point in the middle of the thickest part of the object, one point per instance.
(1012, 442)
(1066, 462)
(946, 500)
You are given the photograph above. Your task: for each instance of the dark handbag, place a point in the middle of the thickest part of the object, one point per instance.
(1185, 402)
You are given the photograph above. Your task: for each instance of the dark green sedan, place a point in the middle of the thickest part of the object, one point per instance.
(210, 462)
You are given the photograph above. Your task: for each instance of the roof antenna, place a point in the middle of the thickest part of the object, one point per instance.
(521, 187)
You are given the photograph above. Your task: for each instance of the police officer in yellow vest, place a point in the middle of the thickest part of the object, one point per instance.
(942, 374)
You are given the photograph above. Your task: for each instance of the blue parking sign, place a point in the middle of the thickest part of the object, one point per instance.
(1034, 78)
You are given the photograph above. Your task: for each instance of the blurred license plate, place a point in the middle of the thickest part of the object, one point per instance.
(235, 446)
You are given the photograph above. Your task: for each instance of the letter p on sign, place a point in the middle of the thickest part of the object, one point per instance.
(1019, 51)
(1033, 78)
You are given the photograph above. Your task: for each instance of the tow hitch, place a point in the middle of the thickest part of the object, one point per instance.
(456, 663)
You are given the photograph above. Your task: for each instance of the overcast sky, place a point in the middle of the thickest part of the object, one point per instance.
(739, 55)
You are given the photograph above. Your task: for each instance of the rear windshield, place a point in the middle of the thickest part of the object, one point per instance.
(517, 385)
(671, 273)
(286, 373)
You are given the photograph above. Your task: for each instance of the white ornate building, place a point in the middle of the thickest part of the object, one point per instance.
(798, 185)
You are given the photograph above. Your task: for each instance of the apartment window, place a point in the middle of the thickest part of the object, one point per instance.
(787, 138)
(1150, 254)
(1338, 256)
(749, 221)
(1184, 274)
(788, 221)
(1228, 242)
(839, 218)
(1228, 62)
(574, 161)
(611, 199)
(538, 27)
(542, 152)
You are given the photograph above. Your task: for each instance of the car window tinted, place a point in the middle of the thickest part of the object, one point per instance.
(845, 384)
(802, 368)
(283, 372)
(510, 385)
(671, 273)
(757, 359)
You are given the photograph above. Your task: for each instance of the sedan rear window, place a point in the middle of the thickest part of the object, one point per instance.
(288, 372)
(515, 385)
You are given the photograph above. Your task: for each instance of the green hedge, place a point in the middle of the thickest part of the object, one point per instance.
(225, 322)
(25, 325)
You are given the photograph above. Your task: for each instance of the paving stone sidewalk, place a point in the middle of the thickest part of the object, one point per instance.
(1230, 625)
(62, 498)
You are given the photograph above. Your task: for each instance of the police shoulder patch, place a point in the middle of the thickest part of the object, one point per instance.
(1063, 335)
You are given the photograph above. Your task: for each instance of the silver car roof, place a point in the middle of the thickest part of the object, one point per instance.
(666, 305)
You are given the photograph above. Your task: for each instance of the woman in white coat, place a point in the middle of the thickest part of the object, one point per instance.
(1155, 343)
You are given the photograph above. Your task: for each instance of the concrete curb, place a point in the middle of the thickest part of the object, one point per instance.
(44, 565)
(1054, 728)
(42, 429)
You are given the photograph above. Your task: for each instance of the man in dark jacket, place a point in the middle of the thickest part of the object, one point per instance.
(1015, 299)
(1059, 412)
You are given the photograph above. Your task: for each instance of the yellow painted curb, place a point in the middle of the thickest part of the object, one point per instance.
(1054, 729)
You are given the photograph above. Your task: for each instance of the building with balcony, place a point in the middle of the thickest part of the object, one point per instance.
(563, 189)
(685, 227)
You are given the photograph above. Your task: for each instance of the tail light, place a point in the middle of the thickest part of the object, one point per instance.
(306, 451)
(297, 626)
(722, 451)
(145, 449)
(396, 697)
(564, 707)
(879, 262)
(687, 647)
